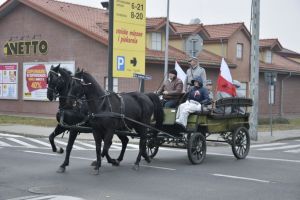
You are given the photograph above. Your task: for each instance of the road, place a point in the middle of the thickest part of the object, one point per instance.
(28, 168)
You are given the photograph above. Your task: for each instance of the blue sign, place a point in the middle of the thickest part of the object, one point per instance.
(120, 63)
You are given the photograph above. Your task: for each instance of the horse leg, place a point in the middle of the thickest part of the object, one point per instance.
(124, 139)
(107, 143)
(72, 138)
(98, 141)
(57, 131)
(142, 152)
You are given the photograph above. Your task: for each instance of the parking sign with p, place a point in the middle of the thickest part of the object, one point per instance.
(120, 63)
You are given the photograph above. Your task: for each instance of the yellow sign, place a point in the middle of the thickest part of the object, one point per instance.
(129, 38)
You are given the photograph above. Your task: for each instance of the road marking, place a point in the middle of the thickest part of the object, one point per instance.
(279, 148)
(48, 197)
(10, 135)
(42, 153)
(21, 142)
(267, 145)
(85, 144)
(293, 151)
(39, 142)
(258, 158)
(74, 146)
(133, 146)
(91, 159)
(156, 167)
(242, 178)
(4, 144)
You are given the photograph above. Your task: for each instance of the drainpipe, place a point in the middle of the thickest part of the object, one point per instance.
(281, 95)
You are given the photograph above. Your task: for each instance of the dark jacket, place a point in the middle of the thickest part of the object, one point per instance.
(199, 94)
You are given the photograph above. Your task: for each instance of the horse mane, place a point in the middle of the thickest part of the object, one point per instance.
(88, 78)
(65, 71)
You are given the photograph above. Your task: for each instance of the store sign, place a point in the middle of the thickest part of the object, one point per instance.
(129, 38)
(35, 78)
(22, 48)
(8, 80)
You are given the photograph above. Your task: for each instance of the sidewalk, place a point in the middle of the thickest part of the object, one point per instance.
(37, 131)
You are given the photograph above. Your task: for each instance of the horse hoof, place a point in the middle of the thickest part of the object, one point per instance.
(61, 150)
(115, 163)
(148, 160)
(94, 163)
(61, 170)
(136, 167)
(95, 172)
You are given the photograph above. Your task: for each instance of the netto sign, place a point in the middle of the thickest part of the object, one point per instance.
(25, 47)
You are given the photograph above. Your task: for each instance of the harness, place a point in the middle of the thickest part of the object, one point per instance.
(109, 113)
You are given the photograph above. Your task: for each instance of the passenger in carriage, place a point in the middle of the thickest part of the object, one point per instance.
(171, 90)
(194, 71)
(197, 95)
(209, 86)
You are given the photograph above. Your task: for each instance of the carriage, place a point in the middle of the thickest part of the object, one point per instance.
(232, 129)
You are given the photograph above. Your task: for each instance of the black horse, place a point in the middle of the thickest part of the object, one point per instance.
(113, 111)
(59, 80)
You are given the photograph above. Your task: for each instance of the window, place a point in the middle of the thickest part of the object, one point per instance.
(156, 41)
(268, 56)
(115, 84)
(194, 48)
(239, 50)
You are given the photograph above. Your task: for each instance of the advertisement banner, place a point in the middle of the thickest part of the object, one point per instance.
(129, 38)
(35, 78)
(8, 81)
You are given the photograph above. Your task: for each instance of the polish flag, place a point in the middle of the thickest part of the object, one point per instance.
(224, 82)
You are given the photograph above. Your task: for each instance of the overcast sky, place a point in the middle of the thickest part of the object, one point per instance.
(278, 18)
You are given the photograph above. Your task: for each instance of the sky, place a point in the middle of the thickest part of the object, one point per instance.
(278, 18)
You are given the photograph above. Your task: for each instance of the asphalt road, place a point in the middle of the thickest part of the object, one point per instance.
(271, 171)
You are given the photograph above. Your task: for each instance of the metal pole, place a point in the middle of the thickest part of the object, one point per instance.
(254, 82)
(167, 41)
(270, 109)
(110, 46)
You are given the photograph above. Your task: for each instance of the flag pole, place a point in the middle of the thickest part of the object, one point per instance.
(167, 40)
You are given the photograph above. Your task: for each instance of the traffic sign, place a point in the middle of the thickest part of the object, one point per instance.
(142, 76)
(129, 37)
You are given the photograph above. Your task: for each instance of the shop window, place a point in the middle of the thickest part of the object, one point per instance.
(239, 50)
(115, 84)
(156, 42)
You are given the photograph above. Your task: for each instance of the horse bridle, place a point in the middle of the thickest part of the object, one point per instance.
(55, 90)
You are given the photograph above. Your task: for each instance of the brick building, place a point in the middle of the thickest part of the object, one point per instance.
(47, 31)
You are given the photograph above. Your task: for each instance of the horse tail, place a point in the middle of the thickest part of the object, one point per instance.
(158, 109)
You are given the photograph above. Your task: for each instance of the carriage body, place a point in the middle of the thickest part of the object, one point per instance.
(232, 129)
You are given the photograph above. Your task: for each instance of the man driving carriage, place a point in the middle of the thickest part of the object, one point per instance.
(196, 96)
(171, 90)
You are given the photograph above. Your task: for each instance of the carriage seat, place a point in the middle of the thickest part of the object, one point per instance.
(234, 103)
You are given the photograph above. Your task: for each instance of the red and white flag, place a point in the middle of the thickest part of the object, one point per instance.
(224, 83)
